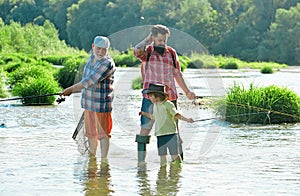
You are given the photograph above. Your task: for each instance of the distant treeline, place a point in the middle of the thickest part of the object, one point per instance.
(252, 30)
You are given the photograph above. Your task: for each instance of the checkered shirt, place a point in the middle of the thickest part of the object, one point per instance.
(160, 70)
(97, 79)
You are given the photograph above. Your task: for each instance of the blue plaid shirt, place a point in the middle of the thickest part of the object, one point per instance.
(97, 79)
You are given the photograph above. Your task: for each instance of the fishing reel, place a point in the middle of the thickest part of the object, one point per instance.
(60, 99)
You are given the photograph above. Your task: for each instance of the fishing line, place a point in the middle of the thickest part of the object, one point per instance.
(29, 97)
(236, 115)
(265, 111)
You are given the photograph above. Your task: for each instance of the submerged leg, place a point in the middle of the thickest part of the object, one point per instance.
(93, 143)
(104, 145)
(142, 140)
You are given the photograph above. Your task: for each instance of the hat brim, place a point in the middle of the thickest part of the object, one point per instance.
(147, 91)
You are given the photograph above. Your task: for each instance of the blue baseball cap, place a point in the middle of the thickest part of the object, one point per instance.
(102, 42)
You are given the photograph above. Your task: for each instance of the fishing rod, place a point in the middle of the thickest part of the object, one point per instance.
(59, 100)
(246, 114)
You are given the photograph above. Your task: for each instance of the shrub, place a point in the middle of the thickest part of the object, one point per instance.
(137, 83)
(126, 59)
(15, 60)
(25, 71)
(229, 65)
(265, 105)
(197, 63)
(266, 70)
(16, 57)
(184, 62)
(3, 92)
(56, 59)
(37, 86)
(71, 72)
(203, 61)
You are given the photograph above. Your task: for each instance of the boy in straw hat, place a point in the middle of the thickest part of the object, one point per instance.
(164, 114)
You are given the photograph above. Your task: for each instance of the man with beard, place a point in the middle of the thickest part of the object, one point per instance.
(160, 65)
(96, 88)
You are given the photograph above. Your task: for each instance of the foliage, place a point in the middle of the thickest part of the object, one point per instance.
(266, 70)
(25, 71)
(260, 105)
(282, 41)
(137, 83)
(3, 92)
(229, 65)
(126, 59)
(203, 61)
(34, 87)
(71, 72)
(56, 59)
(252, 30)
(32, 39)
(184, 62)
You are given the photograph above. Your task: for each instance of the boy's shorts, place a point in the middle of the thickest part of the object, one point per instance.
(165, 142)
(147, 106)
(97, 124)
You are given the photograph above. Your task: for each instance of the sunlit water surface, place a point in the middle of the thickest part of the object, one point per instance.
(39, 157)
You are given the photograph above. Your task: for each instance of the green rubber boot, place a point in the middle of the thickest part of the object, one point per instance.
(142, 140)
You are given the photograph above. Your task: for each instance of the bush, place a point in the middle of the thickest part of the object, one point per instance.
(184, 62)
(71, 72)
(126, 59)
(265, 105)
(266, 70)
(137, 83)
(203, 61)
(37, 86)
(229, 65)
(13, 61)
(16, 57)
(24, 71)
(3, 92)
(56, 59)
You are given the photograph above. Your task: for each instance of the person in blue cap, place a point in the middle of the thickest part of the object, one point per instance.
(96, 86)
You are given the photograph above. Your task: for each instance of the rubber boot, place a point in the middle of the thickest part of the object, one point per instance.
(142, 140)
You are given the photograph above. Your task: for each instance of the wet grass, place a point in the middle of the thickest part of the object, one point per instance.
(260, 105)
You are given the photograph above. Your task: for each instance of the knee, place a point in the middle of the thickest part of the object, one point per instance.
(142, 139)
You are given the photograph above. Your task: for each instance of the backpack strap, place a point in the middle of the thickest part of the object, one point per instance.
(173, 57)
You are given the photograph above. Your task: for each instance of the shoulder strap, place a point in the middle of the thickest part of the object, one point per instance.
(172, 54)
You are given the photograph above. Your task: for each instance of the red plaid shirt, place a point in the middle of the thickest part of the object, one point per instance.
(160, 69)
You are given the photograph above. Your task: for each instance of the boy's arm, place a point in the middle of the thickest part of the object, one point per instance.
(146, 114)
(180, 117)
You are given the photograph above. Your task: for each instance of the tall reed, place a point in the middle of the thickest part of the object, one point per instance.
(260, 105)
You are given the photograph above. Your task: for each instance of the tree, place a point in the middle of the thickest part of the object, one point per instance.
(56, 12)
(85, 20)
(284, 37)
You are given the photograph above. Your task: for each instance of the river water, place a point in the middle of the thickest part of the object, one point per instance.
(39, 157)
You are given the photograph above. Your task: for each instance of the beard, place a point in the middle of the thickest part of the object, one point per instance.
(99, 56)
(160, 49)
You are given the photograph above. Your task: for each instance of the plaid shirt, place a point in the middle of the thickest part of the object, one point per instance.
(97, 79)
(160, 70)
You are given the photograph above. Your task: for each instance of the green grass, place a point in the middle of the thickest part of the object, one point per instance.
(260, 105)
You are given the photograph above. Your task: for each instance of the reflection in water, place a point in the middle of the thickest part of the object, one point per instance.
(168, 185)
(97, 182)
(143, 181)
